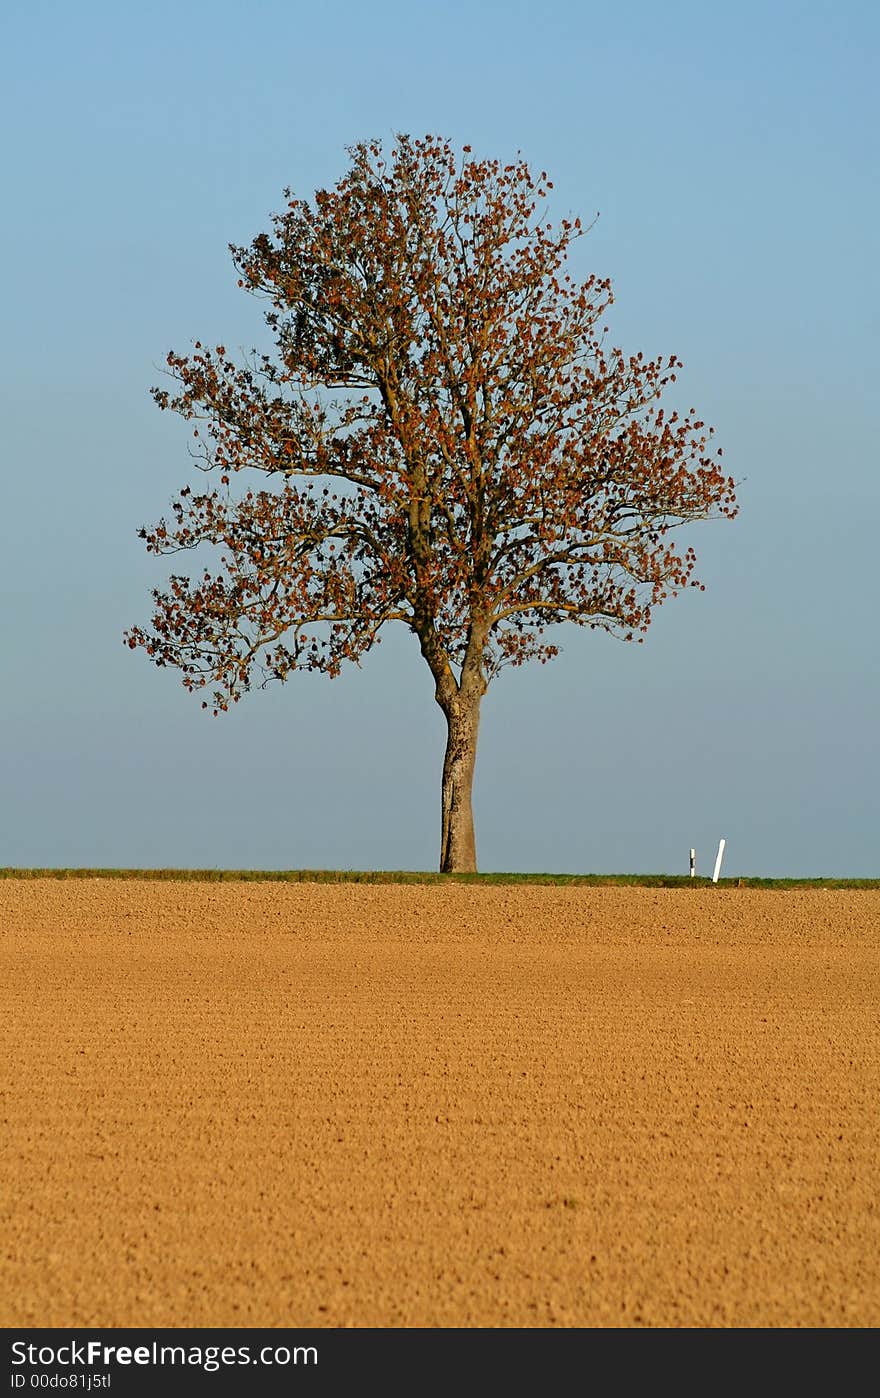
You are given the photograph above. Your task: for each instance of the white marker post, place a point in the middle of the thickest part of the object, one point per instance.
(718, 859)
(693, 862)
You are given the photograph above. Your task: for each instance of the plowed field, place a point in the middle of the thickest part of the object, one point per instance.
(350, 1105)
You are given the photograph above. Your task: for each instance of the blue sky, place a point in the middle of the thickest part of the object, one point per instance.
(732, 154)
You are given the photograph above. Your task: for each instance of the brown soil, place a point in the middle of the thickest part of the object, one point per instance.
(352, 1105)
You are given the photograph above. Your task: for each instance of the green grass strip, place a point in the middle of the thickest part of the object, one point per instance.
(403, 876)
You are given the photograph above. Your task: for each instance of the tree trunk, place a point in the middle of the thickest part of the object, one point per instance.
(458, 850)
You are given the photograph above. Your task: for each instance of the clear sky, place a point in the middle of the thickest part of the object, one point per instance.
(732, 153)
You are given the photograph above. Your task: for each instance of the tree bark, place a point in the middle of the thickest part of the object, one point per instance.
(458, 850)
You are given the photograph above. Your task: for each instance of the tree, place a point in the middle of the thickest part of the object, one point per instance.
(444, 441)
